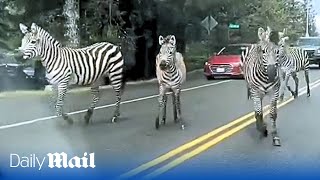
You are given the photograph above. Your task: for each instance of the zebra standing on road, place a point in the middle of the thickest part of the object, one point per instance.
(171, 73)
(262, 76)
(292, 60)
(66, 66)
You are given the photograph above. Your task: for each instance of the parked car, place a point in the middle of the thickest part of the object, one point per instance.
(226, 63)
(312, 46)
(14, 76)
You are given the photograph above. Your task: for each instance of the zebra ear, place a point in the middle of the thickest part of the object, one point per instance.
(173, 40)
(161, 40)
(281, 34)
(261, 34)
(284, 31)
(23, 28)
(268, 33)
(34, 28)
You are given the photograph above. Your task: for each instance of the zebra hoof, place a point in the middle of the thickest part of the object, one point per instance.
(157, 123)
(276, 141)
(265, 132)
(308, 95)
(68, 119)
(114, 119)
(280, 99)
(163, 121)
(88, 116)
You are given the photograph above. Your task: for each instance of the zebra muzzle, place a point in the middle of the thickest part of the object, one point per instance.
(272, 72)
(163, 65)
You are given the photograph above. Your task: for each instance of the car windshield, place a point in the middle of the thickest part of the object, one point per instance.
(230, 50)
(309, 42)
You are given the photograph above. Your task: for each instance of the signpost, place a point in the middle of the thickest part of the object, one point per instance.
(209, 23)
(234, 32)
(234, 26)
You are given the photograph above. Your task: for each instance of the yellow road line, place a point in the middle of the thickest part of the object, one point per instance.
(198, 140)
(207, 145)
(186, 146)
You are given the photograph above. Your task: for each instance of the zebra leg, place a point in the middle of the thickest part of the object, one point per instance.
(115, 80)
(248, 92)
(178, 108)
(296, 81)
(273, 117)
(165, 98)
(287, 84)
(62, 91)
(283, 85)
(95, 99)
(174, 103)
(162, 93)
(306, 74)
(260, 125)
(116, 113)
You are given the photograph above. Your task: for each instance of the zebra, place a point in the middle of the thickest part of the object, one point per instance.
(292, 60)
(171, 74)
(69, 66)
(244, 55)
(262, 78)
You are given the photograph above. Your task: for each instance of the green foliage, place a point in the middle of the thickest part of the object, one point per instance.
(179, 17)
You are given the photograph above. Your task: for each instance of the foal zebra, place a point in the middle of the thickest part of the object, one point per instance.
(171, 73)
(83, 66)
(292, 60)
(261, 74)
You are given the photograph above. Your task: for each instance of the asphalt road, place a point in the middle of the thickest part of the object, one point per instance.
(120, 147)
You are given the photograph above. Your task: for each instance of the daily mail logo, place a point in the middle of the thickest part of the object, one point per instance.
(54, 160)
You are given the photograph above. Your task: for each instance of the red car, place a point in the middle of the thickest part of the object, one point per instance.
(226, 63)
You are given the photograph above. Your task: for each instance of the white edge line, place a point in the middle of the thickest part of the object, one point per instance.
(106, 106)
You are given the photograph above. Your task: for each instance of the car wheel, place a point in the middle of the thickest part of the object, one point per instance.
(210, 78)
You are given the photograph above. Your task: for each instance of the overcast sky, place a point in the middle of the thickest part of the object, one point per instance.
(316, 7)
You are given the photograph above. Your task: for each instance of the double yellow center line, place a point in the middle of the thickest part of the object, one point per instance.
(199, 144)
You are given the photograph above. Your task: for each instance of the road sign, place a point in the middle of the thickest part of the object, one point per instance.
(209, 23)
(234, 26)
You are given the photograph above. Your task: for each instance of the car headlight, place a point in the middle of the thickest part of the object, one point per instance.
(206, 63)
(318, 51)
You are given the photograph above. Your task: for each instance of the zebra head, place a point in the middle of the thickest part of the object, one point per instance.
(167, 51)
(283, 44)
(269, 53)
(283, 38)
(30, 44)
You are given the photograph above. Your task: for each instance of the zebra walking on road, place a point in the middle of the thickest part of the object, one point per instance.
(83, 66)
(292, 60)
(262, 77)
(171, 73)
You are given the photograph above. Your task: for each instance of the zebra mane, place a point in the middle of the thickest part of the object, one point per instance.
(45, 34)
(167, 39)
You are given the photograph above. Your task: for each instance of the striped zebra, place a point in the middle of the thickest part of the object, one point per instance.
(262, 77)
(84, 66)
(171, 73)
(244, 55)
(292, 60)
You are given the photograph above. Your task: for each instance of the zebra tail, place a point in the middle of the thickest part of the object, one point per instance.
(123, 82)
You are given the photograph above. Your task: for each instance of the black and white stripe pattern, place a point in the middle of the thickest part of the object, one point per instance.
(292, 60)
(262, 78)
(83, 66)
(171, 73)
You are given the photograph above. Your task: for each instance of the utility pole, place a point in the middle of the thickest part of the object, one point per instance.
(307, 25)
